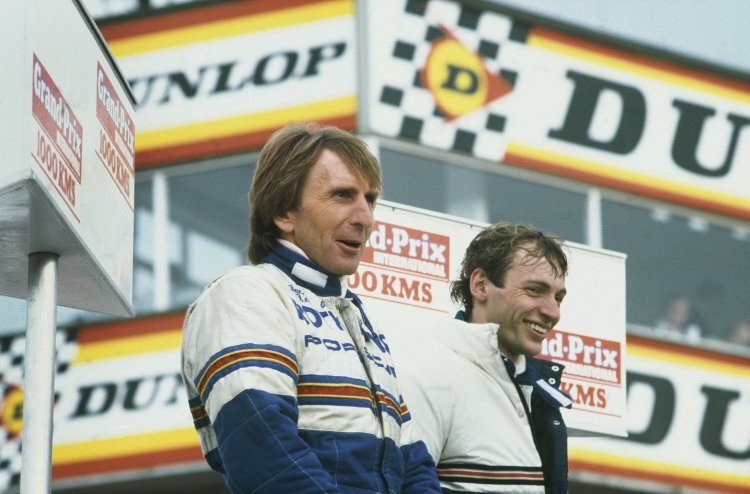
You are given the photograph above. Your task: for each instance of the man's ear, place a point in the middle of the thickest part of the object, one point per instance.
(284, 222)
(478, 284)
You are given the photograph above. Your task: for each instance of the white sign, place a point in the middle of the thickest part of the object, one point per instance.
(413, 255)
(67, 142)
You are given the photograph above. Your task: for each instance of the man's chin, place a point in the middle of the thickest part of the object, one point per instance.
(532, 350)
(350, 271)
(345, 269)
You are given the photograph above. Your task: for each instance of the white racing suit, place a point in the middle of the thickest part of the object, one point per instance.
(475, 418)
(291, 389)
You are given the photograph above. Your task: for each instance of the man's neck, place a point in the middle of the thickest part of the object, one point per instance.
(518, 360)
(292, 260)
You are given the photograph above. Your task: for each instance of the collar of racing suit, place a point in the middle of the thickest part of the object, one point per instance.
(532, 377)
(305, 272)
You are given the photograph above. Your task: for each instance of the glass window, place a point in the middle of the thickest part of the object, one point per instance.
(685, 275)
(208, 232)
(481, 195)
(207, 235)
(143, 252)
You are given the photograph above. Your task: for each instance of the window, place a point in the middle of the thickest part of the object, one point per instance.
(13, 312)
(208, 232)
(671, 256)
(697, 267)
(481, 195)
(143, 254)
(199, 232)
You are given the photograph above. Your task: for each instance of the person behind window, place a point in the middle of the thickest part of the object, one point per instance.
(740, 334)
(291, 387)
(708, 310)
(675, 322)
(487, 409)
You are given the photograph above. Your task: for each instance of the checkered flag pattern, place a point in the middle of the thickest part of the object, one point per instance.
(402, 107)
(12, 350)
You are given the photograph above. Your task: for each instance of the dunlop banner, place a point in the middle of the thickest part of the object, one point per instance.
(221, 78)
(120, 407)
(478, 82)
(687, 421)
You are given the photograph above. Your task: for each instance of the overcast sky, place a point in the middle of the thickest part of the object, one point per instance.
(714, 31)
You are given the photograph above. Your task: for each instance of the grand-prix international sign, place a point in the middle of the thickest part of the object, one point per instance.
(405, 274)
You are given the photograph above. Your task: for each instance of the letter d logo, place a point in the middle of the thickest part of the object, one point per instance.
(458, 78)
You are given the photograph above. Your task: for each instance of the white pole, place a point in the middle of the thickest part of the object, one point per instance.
(39, 374)
(162, 282)
(594, 218)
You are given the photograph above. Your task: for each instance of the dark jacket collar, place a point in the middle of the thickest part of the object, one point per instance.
(547, 388)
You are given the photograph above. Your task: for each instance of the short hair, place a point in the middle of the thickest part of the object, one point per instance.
(494, 249)
(283, 167)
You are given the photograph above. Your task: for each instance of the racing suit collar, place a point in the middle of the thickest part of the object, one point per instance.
(529, 375)
(294, 263)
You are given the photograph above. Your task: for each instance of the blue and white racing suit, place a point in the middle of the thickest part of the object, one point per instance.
(291, 388)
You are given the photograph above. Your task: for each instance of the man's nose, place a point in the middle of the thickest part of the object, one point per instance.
(551, 309)
(363, 213)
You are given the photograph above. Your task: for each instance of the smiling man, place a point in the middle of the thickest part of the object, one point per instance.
(487, 409)
(291, 388)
